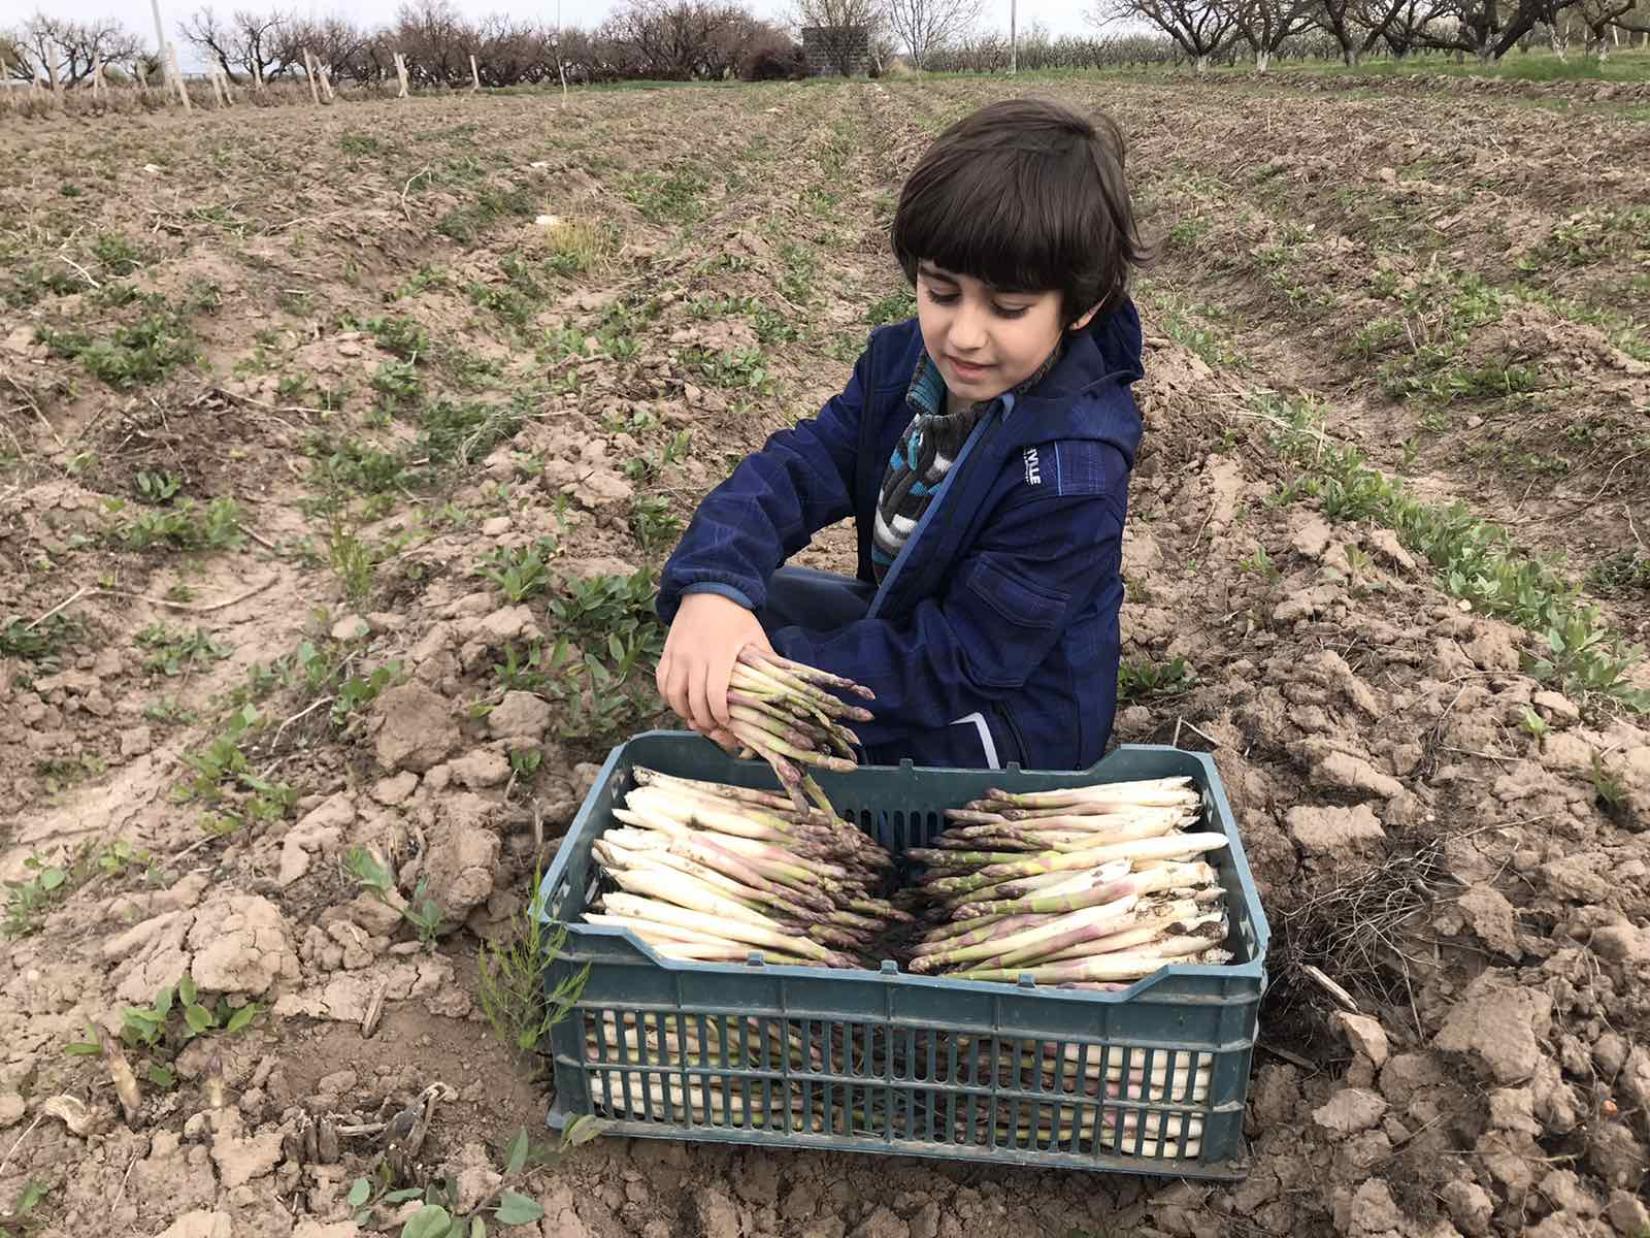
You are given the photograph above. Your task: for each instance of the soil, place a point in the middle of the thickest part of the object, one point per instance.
(398, 365)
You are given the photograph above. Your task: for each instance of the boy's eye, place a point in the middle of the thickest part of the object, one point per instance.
(942, 298)
(1011, 311)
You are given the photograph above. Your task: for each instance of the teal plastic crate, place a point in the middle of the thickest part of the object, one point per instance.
(1147, 1080)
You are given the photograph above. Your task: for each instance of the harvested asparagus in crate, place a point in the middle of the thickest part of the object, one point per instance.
(715, 874)
(788, 714)
(1083, 887)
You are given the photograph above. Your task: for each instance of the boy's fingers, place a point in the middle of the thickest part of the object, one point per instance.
(720, 676)
(698, 702)
(675, 693)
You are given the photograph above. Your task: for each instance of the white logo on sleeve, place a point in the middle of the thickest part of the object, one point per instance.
(1034, 471)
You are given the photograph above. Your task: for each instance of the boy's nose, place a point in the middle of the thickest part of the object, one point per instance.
(967, 332)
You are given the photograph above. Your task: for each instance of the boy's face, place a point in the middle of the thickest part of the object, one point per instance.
(985, 340)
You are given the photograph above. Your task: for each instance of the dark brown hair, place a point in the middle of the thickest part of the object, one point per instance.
(1028, 196)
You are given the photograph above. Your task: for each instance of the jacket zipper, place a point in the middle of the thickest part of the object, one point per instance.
(1022, 756)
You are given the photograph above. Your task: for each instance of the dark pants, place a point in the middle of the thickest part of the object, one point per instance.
(803, 597)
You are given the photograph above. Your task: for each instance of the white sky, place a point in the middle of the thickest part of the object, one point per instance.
(1060, 16)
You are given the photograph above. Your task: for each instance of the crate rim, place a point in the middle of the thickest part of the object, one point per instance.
(889, 972)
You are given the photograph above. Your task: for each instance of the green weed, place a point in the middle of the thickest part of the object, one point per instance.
(520, 572)
(156, 488)
(465, 224)
(183, 526)
(173, 651)
(653, 523)
(510, 978)
(1139, 679)
(670, 197)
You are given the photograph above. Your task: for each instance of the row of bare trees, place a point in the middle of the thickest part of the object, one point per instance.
(714, 39)
(1201, 30)
(657, 39)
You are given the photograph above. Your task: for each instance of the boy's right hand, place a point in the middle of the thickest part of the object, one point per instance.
(700, 653)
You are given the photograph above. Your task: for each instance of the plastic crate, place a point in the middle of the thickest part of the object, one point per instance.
(1150, 1079)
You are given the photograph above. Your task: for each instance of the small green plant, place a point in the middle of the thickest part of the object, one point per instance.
(1607, 785)
(183, 526)
(398, 382)
(172, 651)
(520, 572)
(21, 1221)
(746, 368)
(510, 979)
(1620, 575)
(133, 354)
(28, 900)
(401, 336)
(224, 780)
(1260, 564)
(1140, 679)
(156, 488)
(1532, 723)
(353, 561)
(39, 642)
(374, 876)
(159, 1031)
(360, 690)
(441, 1215)
(895, 307)
(653, 523)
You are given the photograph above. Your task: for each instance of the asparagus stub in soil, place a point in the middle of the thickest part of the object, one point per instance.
(716, 874)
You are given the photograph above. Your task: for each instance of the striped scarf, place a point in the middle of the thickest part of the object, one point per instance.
(924, 455)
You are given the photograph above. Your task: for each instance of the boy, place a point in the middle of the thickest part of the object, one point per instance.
(983, 448)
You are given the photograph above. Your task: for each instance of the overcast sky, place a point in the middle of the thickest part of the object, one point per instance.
(1060, 16)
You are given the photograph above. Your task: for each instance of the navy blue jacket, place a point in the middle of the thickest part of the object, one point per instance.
(994, 635)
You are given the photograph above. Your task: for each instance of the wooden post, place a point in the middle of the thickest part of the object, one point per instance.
(326, 79)
(309, 75)
(228, 88)
(177, 76)
(475, 74)
(219, 93)
(97, 77)
(401, 74)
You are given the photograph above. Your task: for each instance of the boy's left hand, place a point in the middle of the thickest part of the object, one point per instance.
(700, 652)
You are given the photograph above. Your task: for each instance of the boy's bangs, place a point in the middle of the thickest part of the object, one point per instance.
(992, 234)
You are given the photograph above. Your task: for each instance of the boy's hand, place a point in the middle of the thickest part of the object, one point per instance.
(700, 654)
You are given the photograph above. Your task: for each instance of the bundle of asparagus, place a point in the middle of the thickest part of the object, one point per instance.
(1084, 887)
(717, 873)
(785, 713)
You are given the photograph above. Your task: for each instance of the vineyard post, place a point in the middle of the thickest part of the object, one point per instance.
(401, 73)
(326, 79)
(177, 76)
(309, 76)
(475, 74)
(1013, 37)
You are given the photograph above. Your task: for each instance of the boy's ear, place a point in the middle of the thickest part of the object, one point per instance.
(1084, 321)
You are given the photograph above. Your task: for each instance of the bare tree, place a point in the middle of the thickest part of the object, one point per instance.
(1200, 27)
(1359, 25)
(1602, 18)
(926, 25)
(1267, 24)
(201, 29)
(841, 24)
(259, 43)
(65, 50)
(1489, 29)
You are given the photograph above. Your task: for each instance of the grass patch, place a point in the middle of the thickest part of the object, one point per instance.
(1623, 574)
(465, 224)
(1476, 560)
(675, 196)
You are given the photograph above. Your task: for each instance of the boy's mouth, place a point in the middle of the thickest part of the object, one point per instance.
(967, 369)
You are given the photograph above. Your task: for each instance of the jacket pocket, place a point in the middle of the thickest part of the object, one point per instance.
(1014, 598)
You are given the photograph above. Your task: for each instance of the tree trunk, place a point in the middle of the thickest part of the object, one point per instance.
(1200, 64)
(1263, 60)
